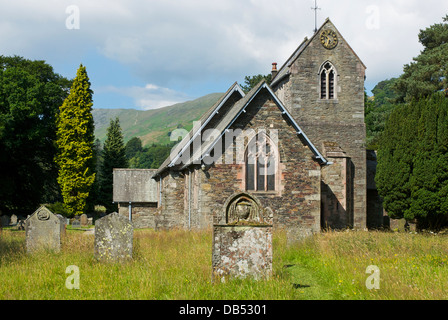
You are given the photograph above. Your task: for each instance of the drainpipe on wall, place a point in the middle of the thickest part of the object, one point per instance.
(160, 192)
(130, 211)
(189, 200)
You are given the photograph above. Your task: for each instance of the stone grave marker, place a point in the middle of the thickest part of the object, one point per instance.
(43, 231)
(14, 219)
(63, 221)
(113, 238)
(76, 223)
(242, 242)
(5, 220)
(83, 219)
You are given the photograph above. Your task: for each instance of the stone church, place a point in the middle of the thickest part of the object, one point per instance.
(296, 145)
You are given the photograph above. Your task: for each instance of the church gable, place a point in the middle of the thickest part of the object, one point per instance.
(323, 80)
(225, 126)
(268, 156)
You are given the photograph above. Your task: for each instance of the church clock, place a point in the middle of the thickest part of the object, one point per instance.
(329, 39)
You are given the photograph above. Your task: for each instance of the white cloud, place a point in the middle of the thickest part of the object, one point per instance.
(148, 97)
(195, 43)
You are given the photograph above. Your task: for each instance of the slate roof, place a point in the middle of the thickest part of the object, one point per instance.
(223, 122)
(196, 130)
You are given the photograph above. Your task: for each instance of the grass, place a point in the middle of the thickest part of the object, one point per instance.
(177, 265)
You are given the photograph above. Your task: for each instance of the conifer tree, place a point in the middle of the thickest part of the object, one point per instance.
(114, 156)
(412, 172)
(75, 141)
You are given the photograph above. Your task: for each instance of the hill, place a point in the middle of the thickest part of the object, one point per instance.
(153, 126)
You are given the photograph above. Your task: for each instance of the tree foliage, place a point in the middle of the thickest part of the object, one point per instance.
(428, 73)
(252, 81)
(412, 172)
(377, 110)
(30, 96)
(150, 157)
(75, 142)
(113, 156)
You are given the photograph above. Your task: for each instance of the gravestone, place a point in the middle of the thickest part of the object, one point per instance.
(5, 220)
(83, 219)
(113, 238)
(14, 219)
(242, 241)
(43, 231)
(76, 223)
(63, 221)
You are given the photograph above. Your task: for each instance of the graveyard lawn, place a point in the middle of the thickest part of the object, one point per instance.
(177, 265)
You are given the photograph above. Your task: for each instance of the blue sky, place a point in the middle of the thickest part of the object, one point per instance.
(154, 53)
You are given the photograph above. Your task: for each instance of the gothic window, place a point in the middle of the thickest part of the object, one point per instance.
(327, 81)
(261, 165)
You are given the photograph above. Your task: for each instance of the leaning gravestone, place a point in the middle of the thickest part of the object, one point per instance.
(113, 238)
(43, 231)
(242, 239)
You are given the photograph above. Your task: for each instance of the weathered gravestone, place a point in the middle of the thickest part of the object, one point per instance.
(76, 223)
(83, 220)
(113, 238)
(43, 231)
(14, 219)
(63, 221)
(242, 239)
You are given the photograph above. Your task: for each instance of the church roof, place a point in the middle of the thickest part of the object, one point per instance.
(284, 70)
(223, 123)
(185, 143)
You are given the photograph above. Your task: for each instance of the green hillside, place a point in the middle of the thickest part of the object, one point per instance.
(153, 126)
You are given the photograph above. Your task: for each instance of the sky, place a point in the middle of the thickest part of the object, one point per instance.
(147, 54)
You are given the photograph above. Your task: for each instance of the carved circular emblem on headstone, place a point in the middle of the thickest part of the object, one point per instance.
(43, 215)
(243, 209)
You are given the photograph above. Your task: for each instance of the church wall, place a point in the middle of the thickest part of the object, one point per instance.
(340, 120)
(296, 202)
(336, 194)
(171, 213)
(144, 215)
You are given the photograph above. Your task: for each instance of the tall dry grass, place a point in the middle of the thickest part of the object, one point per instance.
(177, 265)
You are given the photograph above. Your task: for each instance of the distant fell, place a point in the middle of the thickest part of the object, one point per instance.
(156, 125)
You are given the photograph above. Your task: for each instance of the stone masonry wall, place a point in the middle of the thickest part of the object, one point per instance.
(340, 120)
(296, 202)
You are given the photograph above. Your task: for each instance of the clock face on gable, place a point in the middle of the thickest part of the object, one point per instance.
(329, 39)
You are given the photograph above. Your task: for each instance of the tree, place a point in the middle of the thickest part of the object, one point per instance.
(412, 171)
(75, 142)
(377, 110)
(133, 146)
(252, 81)
(30, 96)
(114, 156)
(428, 73)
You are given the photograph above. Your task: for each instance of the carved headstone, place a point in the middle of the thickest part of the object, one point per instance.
(242, 242)
(43, 231)
(113, 238)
